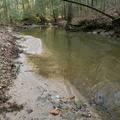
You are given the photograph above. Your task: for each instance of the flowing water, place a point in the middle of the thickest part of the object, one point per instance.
(90, 62)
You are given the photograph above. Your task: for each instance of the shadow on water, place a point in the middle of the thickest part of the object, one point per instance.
(90, 62)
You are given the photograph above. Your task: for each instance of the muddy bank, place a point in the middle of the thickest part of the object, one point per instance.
(96, 24)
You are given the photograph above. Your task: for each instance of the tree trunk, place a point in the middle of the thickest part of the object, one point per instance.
(78, 3)
(23, 6)
(64, 11)
(69, 17)
(54, 15)
(87, 3)
(92, 3)
(6, 9)
(29, 5)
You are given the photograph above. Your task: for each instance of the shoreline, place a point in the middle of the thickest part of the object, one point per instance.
(39, 97)
(111, 33)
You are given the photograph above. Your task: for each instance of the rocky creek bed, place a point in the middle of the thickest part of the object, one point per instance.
(24, 96)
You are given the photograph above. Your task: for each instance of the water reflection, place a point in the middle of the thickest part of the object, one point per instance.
(90, 62)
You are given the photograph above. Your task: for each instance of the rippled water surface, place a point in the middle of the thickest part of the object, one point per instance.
(90, 62)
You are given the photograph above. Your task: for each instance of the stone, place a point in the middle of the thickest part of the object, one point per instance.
(63, 106)
(51, 100)
(79, 104)
(94, 32)
(83, 118)
(29, 111)
(85, 113)
(85, 104)
(56, 105)
(41, 99)
(74, 107)
(79, 114)
(71, 117)
(57, 96)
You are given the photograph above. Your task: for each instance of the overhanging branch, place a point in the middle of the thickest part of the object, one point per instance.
(78, 3)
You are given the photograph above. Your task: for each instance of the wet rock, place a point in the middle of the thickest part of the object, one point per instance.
(71, 101)
(51, 100)
(54, 119)
(56, 105)
(57, 96)
(85, 104)
(63, 106)
(70, 113)
(63, 116)
(85, 113)
(71, 117)
(94, 32)
(29, 111)
(41, 99)
(39, 119)
(74, 107)
(83, 118)
(100, 99)
(64, 100)
(28, 119)
(79, 104)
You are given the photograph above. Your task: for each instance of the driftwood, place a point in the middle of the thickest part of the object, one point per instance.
(78, 3)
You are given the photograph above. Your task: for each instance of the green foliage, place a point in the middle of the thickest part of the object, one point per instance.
(17, 10)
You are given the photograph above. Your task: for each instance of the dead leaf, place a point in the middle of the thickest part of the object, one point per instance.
(1, 86)
(72, 97)
(55, 112)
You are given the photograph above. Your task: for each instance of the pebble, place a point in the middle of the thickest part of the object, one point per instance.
(85, 113)
(51, 100)
(57, 96)
(83, 118)
(79, 104)
(29, 111)
(74, 106)
(63, 106)
(85, 104)
(41, 99)
(56, 105)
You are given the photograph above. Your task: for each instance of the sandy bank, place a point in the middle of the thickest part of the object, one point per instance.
(39, 96)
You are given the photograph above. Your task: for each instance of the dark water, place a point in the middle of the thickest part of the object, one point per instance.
(90, 62)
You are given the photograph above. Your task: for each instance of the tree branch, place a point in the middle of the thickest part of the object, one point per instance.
(90, 8)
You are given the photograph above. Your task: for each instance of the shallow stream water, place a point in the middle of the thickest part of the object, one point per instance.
(90, 62)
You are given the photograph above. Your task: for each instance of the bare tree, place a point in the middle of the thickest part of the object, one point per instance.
(78, 3)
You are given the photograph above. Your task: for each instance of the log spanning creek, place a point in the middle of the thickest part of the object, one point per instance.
(91, 63)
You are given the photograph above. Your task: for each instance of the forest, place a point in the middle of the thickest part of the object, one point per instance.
(76, 15)
(37, 11)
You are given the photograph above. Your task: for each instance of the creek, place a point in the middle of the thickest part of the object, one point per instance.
(89, 62)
